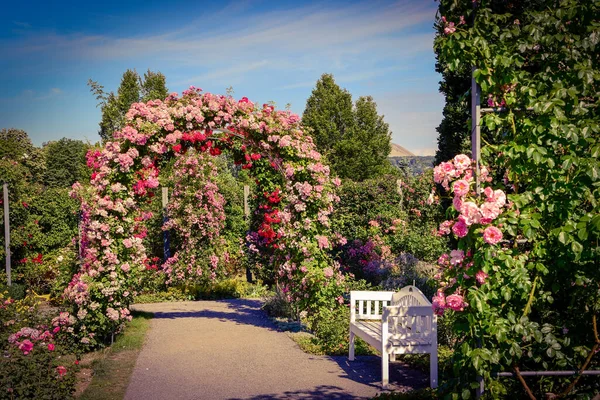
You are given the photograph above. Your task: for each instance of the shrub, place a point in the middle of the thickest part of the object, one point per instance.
(35, 363)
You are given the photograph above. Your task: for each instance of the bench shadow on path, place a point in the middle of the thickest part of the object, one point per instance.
(318, 392)
(240, 311)
(367, 370)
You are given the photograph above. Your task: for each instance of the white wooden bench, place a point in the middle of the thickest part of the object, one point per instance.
(395, 323)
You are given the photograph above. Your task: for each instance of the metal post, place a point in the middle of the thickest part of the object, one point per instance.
(246, 195)
(247, 215)
(475, 126)
(166, 244)
(7, 233)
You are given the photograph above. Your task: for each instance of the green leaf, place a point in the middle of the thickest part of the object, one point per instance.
(576, 247)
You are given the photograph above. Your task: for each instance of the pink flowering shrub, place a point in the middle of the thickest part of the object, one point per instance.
(32, 350)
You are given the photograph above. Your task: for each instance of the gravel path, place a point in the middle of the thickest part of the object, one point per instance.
(230, 350)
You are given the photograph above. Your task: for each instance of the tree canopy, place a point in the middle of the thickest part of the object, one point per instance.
(355, 138)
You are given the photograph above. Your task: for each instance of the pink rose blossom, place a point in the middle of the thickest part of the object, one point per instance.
(457, 256)
(480, 277)
(462, 162)
(328, 272)
(456, 302)
(461, 187)
(470, 212)
(438, 303)
(492, 235)
(26, 346)
(50, 346)
(460, 228)
(489, 211)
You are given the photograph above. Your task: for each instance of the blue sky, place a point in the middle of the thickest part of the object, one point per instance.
(265, 51)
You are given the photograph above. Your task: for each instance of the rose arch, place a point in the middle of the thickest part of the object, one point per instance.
(296, 197)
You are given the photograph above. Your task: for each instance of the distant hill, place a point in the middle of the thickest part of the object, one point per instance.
(415, 164)
(399, 151)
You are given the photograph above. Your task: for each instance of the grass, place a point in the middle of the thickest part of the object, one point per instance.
(111, 368)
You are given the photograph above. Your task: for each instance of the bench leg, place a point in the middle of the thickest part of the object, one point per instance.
(392, 357)
(351, 351)
(433, 368)
(385, 377)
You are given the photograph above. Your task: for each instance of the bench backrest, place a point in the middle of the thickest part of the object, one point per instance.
(409, 296)
(368, 305)
(412, 323)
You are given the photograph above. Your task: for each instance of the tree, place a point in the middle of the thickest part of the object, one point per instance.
(16, 146)
(65, 162)
(329, 114)
(133, 89)
(153, 86)
(355, 139)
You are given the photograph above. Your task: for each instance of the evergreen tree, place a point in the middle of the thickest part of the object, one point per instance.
(133, 89)
(329, 114)
(355, 139)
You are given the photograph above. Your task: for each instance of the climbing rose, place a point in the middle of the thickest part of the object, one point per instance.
(61, 370)
(456, 302)
(492, 235)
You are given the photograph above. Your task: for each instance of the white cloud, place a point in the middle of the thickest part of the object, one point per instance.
(332, 35)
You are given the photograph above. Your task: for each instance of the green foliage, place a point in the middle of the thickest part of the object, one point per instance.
(355, 140)
(65, 163)
(455, 128)
(539, 311)
(16, 146)
(404, 212)
(171, 294)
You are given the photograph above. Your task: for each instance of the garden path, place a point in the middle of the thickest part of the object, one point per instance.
(229, 349)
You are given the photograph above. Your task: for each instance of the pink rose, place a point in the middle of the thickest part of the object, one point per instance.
(462, 162)
(456, 302)
(480, 277)
(443, 260)
(470, 212)
(492, 235)
(438, 303)
(26, 346)
(457, 256)
(461, 187)
(50, 346)
(460, 228)
(489, 211)
(328, 272)
(62, 371)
